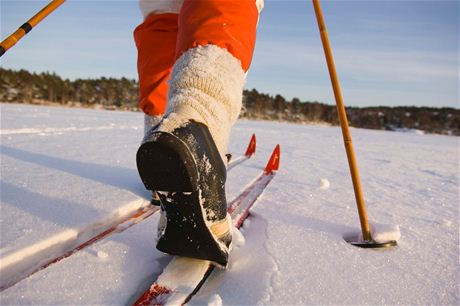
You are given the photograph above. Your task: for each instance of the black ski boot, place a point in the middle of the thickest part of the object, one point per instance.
(186, 170)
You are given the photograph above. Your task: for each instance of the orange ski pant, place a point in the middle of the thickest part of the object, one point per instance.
(164, 37)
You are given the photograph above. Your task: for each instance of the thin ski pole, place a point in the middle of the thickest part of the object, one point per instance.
(11, 40)
(343, 123)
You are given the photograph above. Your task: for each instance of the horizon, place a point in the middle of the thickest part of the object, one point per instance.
(272, 96)
(401, 53)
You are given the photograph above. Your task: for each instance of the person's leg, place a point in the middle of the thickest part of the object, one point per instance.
(156, 44)
(184, 157)
(214, 49)
(155, 40)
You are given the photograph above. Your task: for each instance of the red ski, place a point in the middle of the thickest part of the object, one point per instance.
(251, 150)
(183, 277)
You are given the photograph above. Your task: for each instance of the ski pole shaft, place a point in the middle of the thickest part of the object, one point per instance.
(11, 40)
(343, 123)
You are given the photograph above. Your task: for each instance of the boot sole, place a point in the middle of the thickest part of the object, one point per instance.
(167, 166)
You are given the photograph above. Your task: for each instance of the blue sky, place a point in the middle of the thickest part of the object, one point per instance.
(386, 52)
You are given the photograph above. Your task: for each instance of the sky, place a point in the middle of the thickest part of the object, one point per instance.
(388, 53)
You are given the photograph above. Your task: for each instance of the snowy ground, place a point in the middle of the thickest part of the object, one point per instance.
(65, 168)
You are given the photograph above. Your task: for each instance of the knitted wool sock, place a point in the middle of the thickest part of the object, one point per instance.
(206, 86)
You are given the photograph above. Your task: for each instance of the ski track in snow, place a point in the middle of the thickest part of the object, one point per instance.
(294, 254)
(275, 266)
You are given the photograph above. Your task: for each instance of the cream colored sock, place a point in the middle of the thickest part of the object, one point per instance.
(206, 85)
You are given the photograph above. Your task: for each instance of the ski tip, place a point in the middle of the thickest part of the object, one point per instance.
(251, 147)
(274, 161)
(153, 296)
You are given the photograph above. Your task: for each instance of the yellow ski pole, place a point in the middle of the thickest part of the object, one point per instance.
(368, 242)
(11, 40)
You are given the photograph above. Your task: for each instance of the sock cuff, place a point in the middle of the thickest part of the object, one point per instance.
(212, 71)
(206, 85)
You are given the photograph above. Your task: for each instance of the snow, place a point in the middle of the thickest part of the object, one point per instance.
(238, 238)
(382, 233)
(102, 255)
(324, 183)
(63, 170)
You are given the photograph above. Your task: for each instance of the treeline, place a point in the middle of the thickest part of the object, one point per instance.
(25, 87)
(428, 119)
(109, 93)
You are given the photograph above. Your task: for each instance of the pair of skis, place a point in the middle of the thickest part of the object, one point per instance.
(183, 277)
(25, 262)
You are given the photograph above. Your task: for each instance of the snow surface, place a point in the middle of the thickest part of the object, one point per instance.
(63, 169)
